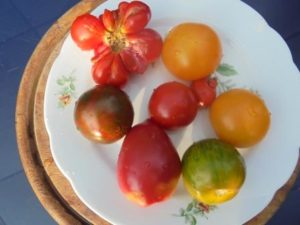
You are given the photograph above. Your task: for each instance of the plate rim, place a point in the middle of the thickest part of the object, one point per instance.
(23, 116)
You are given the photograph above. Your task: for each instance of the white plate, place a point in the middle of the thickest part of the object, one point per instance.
(263, 62)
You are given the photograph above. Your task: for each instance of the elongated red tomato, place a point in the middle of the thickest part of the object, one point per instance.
(173, 105)
(148, 165)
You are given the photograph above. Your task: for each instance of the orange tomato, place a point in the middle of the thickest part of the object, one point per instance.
(240, 117)
(192, 51)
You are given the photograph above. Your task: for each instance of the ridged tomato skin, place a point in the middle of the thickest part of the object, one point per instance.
(87, 31)
(121, 42)
(148, 166)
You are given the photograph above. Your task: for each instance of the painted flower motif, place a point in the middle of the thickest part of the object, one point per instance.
(224, 75)
(193, 210)
(65, 99)
(67, 90)
(226, 71)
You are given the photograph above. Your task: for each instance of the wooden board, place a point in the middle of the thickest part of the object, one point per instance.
(50, 186)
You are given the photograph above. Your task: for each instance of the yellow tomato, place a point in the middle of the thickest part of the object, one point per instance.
(192, 51)
(240, 117)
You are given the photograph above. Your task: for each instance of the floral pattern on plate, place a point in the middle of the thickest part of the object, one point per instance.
(193, 210)
(67, 89)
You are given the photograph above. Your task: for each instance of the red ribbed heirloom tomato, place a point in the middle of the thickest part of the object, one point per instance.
(148, 165)
(121, 43)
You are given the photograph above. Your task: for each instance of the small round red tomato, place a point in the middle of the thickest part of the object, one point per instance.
(192, 51)
(103, 114)
(87, 31)
(240, 117)
(148, 166)
(173, 105)
(205, 91)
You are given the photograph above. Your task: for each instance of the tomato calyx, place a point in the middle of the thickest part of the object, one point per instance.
(116, 41)
(113, 37)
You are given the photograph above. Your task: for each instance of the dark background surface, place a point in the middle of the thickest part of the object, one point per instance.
(22, 24)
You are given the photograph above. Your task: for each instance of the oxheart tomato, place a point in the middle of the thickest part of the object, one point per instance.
(148, 166)
(192, 51)
(205, 91)
(121, 43)
(240, 117)
(103, 114)
(173, 105)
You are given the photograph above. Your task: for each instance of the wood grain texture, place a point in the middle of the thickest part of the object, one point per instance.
(51, 187)
(279, 197)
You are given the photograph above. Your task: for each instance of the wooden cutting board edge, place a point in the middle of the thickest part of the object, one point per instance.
(50, 186)
(36, 168)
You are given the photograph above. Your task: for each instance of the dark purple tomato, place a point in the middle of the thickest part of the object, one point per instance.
(173, 105)
(103, 114)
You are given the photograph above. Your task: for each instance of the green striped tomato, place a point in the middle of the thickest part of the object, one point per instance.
(213, 171)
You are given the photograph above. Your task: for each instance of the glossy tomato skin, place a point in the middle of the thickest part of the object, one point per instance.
(135, 14)
(103, 114)
(240, 117)
(87, 32)
(173, 105)
(121, 43)
(148, 166)
(205, 91)
(110, 70)
(142, 48)
(213, 171)
(192, 51)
